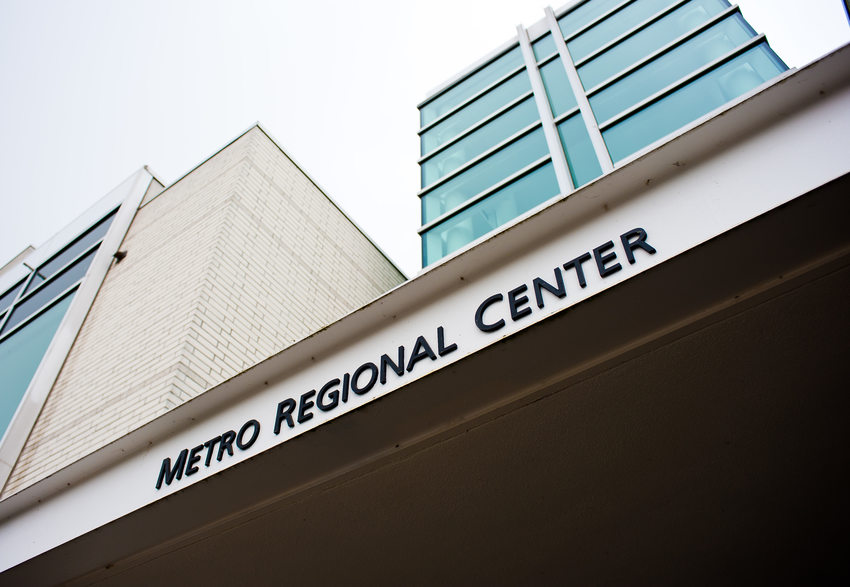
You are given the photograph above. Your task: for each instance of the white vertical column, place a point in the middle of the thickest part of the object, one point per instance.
(559, 161)
(584, 106)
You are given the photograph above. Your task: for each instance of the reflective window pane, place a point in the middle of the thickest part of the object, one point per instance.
(582, 160)
(94, 234)
(671, 67)
(470, 86)
(614, 26)
(557, 86)
(665, 30)
(543, 47)
(7, 298)
(50, 290)
(698, 98)
(481, 140)
(475, 111)
(584, 15)
(503, 206)
(483, 175)
(20, 355)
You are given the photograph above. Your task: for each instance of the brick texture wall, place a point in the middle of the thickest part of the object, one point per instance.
(237, 260)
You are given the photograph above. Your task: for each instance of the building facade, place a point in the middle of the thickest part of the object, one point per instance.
(638, 381)
(194, 297)
(570, 98)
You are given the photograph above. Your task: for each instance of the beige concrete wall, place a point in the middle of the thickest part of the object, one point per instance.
(234, 262)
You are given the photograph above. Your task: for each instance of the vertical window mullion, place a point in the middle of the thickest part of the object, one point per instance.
(581, 97)
(559, 160)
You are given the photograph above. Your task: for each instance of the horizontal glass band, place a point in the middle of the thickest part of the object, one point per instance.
(712, 89)
(630, 32)
(587, 14)
(21, 354)
(557, 86)
(483, 175)
(471, 85)
(39, 298)
(7, 298)
(475, 111)
(658, 36)
(543, 47)
(581, 157)
(614, 26)
(501, 207)
(656, 75)
(73, 250)
(482, 139)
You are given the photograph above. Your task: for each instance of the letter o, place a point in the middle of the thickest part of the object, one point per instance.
(356, 377)
(249, 424)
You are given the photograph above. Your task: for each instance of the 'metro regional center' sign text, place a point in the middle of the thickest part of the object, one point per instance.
(342, 392)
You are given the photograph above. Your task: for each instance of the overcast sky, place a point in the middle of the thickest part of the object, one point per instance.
(92, 90)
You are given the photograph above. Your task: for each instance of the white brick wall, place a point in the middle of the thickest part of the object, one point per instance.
(236, 261)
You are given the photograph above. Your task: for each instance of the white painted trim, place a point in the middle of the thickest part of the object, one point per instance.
(131, 192)
(559, 160)
(596, 140)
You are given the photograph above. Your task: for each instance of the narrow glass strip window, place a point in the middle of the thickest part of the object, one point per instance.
(479, 141)
(543, 47)
(557, 86)
(7, 298)
(475, 111)
(671, 67)
(94, 234)
(614, 26)
(57, 285)
(584, 15)
(645, 42)
(495, 168)
(470, 86)
(20, 355)
(584, 165)
(698, 98)
(502, 206)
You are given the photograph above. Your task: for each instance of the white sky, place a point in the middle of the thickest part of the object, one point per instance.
(91, 90)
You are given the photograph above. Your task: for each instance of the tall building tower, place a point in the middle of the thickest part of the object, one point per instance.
(585, 90)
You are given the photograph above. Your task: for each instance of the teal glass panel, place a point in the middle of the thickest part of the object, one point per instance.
(543, 47)
(582, 160)
(483, 175)
(20, 355)
(7, 298)
(32, 304)
(645, 42)
(470, 86)
(585, 14)
(656, 75)
(479, 141)
(502, 206)
(700, 97)
(475, 111)
(91, 236)
(557, 86)
(614, 26)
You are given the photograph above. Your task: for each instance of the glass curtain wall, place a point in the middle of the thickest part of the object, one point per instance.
(646, 68)
(32, 309)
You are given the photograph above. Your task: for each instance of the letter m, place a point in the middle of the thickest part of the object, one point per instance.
(168, 473)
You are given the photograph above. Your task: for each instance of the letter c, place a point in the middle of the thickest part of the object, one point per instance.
(479, 314)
